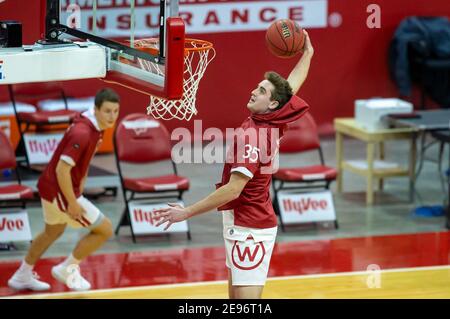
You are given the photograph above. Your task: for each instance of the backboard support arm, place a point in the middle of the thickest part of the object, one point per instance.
(53, 29)
(162, 10)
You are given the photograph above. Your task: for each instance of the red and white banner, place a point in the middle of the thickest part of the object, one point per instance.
(114, 19)
(15, 227)
(143, 219)
(306, 207)
(40, 147)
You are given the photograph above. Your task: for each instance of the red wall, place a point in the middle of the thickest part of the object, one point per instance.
(349, 63)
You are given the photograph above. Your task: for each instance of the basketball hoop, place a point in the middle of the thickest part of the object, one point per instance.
(197, 56)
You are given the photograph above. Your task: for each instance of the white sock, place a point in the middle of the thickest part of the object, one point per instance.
(70, 261)
(25, 269)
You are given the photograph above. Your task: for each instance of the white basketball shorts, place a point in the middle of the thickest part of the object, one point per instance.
(248, 251)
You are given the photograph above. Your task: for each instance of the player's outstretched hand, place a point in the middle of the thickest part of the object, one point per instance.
(173, 214)
(307, 48)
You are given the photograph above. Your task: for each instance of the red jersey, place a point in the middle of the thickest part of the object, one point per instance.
(76, 148)
(254, 147)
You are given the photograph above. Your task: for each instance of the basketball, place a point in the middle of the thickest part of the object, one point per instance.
(285, 38)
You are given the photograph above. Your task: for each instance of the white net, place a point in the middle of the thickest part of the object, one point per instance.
(198, 55)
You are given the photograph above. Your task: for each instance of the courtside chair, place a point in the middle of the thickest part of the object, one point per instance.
(33, 93)
(301, 137)
(142, 148)
(13, 194)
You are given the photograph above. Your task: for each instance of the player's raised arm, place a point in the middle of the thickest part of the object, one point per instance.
(300, 71)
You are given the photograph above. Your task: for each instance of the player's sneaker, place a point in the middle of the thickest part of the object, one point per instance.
(71, 277)
(27, 281)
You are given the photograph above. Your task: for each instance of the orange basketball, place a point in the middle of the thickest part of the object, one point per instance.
(285, 38)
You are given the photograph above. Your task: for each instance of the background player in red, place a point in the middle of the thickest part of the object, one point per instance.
(61, 187)
(250, 223)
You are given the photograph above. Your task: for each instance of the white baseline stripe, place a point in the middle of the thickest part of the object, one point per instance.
(205, 283)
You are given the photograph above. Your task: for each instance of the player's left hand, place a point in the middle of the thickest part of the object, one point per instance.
(173, 214)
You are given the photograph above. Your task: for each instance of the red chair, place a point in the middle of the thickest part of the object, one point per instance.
(32, 93)
(14, 194)
(143, 146)
(301, 137)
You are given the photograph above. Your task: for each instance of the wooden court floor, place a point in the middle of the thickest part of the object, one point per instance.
(407, 283)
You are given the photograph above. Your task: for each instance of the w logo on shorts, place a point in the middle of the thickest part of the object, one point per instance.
(247, 255)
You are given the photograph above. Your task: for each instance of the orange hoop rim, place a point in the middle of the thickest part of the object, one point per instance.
(203, 45)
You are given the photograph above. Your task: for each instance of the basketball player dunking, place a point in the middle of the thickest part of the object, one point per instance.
(250, 223)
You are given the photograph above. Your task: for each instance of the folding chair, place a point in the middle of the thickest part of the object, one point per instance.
(14, 194)
(33, 92)
(8, 118)
(79, 104)
(144, 144)
(301, 137)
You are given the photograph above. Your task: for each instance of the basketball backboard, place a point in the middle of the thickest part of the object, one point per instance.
(78, 43)
(68, 20)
